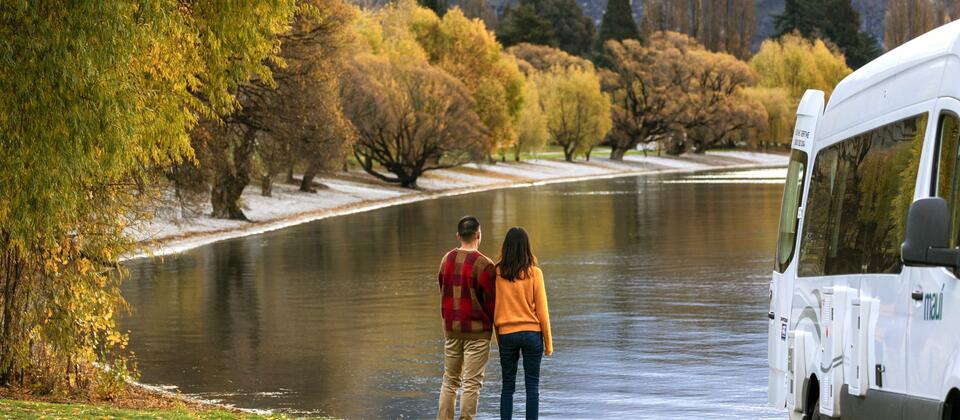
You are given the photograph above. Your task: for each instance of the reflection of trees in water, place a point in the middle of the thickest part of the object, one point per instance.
(345, 312)
(672, 236)
(234, 315)
(947, 184)
(860, 193)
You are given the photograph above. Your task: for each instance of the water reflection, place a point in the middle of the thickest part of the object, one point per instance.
(657, 291)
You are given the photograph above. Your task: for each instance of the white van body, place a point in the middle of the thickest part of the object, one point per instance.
(854, 333)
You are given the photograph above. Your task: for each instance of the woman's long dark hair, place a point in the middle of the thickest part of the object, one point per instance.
(516, 258)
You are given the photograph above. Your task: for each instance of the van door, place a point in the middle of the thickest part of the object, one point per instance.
(859, 190)
(782, 290)
(933, 316)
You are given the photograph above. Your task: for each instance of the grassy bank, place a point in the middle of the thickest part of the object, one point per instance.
(15, 409)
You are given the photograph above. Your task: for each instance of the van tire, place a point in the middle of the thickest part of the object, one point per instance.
(812, 399)
(951, 406)
(815, 414)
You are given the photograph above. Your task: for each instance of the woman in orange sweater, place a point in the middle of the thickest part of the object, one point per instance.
(522, 321)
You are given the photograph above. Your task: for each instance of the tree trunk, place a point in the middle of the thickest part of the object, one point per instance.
(11, 271)
(408, 177)
(306, 184)
(516, 153)
(675, 148)
(229, 183)
(290, 179)
(225, 197)
(266, 186)
(616, 153)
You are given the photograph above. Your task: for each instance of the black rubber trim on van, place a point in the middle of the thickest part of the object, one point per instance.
(883, 405)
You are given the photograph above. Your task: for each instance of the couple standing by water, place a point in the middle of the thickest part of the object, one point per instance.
(480, 298)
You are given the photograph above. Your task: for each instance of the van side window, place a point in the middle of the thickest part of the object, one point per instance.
(789, 209)
(860, 191)
(947, 184)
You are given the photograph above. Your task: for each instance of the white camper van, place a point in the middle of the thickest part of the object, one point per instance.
(865, 296)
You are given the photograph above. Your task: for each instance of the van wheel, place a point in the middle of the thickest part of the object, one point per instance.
(951, 409)
(815, 414)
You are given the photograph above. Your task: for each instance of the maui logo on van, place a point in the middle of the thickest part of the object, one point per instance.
(933, 306)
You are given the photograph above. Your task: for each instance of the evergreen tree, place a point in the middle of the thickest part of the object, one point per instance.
(438, 6)
(574, 30)
(556, 23)
(617, 24)
(835, 20)
(522, 24)
(796, 16)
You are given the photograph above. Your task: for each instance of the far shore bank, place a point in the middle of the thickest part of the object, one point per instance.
(354, 191)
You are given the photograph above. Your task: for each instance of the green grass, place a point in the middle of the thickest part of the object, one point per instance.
(14, 409)
(556, 152)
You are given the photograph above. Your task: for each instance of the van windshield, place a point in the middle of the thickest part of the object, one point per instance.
(792, 196)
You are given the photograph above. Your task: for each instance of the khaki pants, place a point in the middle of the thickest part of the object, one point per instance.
(464, 363)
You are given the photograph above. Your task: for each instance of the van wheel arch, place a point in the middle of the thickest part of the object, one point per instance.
(811, 398)
(951, 405)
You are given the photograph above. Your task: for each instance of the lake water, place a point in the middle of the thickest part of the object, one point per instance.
(657, 286)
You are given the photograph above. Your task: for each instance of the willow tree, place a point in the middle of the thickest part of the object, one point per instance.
(410, 118)
(293, 117)
(532, 134)
(466, 50)
(675, 92)
(779, 108)
(542, 58)
(576, 110)
(91, 93)
(797, 64)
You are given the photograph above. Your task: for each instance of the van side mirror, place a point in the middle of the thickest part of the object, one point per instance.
(928, 237)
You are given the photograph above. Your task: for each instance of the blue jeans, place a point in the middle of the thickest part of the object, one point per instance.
(530, 345)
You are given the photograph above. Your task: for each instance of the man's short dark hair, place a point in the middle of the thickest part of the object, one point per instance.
(467, 228)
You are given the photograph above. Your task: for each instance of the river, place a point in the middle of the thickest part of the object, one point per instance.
(657, 288)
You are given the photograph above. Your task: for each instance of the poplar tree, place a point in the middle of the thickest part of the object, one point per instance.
(905, 20)
(720, 25)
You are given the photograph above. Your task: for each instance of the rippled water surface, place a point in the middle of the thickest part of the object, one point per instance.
(657, 287)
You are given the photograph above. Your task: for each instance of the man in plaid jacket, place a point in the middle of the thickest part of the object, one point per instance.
(467, 281)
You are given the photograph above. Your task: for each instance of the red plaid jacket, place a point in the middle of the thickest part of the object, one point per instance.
(468, 287)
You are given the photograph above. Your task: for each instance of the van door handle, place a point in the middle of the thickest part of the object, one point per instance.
(917, 295)
(771, 315)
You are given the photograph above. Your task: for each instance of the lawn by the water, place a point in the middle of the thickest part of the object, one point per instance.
(14, 409)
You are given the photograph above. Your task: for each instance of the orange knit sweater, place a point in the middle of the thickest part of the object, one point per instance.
(522, 306)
